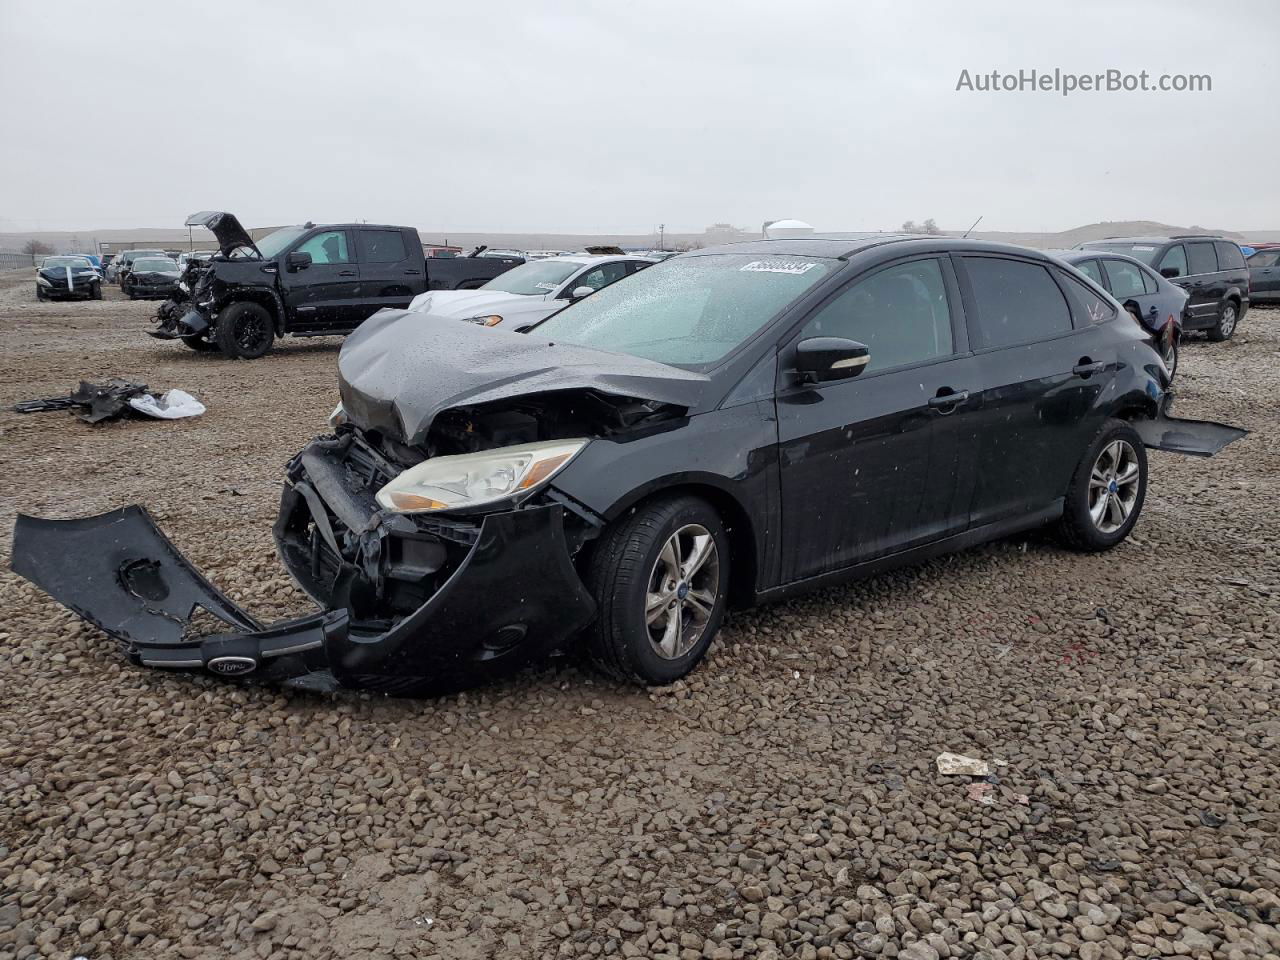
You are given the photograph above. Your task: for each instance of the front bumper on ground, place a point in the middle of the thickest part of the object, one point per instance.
(178, 318)
(514, 596)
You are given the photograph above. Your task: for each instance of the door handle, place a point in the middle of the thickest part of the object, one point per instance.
(347, 273)
(1087, 367)
(952, 399)
(413, 273)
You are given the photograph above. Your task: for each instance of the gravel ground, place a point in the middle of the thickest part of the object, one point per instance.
(782, 802)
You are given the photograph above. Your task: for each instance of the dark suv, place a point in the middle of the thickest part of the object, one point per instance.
(1211, 269)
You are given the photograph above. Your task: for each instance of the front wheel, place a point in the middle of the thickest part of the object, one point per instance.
(244, 330)
(1228, 317)
(1107, 491)
(661, 579)
(95, 292)
(40, 294)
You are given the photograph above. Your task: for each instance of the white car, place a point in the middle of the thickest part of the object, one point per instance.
(528, 293)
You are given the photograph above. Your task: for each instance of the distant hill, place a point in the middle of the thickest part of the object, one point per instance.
(1100, 231)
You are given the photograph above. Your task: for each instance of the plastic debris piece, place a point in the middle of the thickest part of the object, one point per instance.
(172, 405)
(982, 793)
(957, 765)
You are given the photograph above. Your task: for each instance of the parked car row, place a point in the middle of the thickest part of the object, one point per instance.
(726, 427)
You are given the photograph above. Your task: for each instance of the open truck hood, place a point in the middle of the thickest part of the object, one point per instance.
(225, 227)
(399, 370)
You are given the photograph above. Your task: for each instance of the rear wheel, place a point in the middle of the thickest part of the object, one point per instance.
(1169, 353)
(1228, 317)
(245, 330)
(1107, 491)
(661, 580)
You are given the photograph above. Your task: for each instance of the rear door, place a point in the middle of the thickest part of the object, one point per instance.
(390, 275)
(1206, 283)
(1231, 265)
(1264, 275)
(885, 461)
(321, 297)
(1043, 365)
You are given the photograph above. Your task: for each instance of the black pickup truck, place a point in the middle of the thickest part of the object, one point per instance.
(308, 280)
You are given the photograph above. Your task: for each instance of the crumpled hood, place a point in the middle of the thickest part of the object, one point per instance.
(460, 304)
(225, 227)
(399, 370)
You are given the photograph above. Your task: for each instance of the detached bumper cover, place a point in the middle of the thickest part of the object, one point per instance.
(1196, 438)
(515, 594)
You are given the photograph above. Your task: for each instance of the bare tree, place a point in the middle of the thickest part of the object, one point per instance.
(36, 248)
(930, 227)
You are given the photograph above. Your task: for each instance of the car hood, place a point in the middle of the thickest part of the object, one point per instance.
(399, 370)
(460, 304)
(225, 228)
(158, 274)
(62, 272)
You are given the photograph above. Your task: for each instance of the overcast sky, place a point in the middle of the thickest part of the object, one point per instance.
(612, 117)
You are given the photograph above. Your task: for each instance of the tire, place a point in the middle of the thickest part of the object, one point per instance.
(199, 344)
(244, 330)
(1097, 483)
(1170, 356)
(1228, 320)
(631, 566)
(95, 292)
(40, 294)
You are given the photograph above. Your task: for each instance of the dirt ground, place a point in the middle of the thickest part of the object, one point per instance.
(782, 802)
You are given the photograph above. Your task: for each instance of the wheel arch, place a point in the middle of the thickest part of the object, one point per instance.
(744, 538)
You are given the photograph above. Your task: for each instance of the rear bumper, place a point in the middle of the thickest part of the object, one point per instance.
(509, 597)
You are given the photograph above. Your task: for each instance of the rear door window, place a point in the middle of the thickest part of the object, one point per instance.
(380, 246)
(1126, 279)
(899, 312)
(1264, 258)
(1229, 255)
(601, 276)
(1017, 302)
(1174, 262)
(1201, 258)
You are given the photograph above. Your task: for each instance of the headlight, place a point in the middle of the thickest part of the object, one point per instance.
(337, 418)
(43, 282)
(487, 321)
(472, 479)
(182, 285)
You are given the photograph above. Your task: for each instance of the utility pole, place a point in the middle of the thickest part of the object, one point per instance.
(662, 234)
(190, 243)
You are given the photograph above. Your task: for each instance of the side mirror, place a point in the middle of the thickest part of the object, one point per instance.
(582, 291)
(822, 359)
(1169, 273)
(298, 260)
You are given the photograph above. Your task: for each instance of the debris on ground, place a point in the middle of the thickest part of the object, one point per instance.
(114, 398)
(958, 765)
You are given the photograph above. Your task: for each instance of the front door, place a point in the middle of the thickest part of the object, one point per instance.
(1264, 275)
(883, 462)
(321, 297)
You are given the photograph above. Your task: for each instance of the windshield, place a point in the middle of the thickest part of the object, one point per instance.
(690, 311)
(533, 279)
(156, 265)
(1146, 252)
(274, 243)
(67, 262)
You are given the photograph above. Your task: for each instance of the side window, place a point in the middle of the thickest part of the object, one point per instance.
(1264, 258)
(1126, 279)
(1149, 282)
(635, 266)
(601, 276)
(1091, 270)
(900, 313)
(1087, 305)
(328, 247)
(1017, 302)
(1229, 255)
(1173, 263)
(380, 246)
(1201, 258)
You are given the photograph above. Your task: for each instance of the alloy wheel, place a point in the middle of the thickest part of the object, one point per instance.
(250, 332)
(1113, 486)
(1228, 322)
(683, 588)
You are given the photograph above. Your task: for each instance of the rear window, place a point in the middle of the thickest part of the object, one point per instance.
(380, 246)
(1017, 302)
(1201, 258)
(1229, 255)
(1091, 270)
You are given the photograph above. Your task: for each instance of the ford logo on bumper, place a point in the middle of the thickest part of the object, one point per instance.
(232, 666)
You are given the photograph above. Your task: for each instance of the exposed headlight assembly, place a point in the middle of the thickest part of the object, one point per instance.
(43, 282)
(474, 479)
(338, 417)
(487, 321)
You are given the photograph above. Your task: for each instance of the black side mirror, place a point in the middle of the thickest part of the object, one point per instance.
(1169, 273)
(298, 260)
(822, 359)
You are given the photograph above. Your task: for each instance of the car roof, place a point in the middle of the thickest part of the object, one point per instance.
(1175, 238)
(1093, 253)
(845, 248)
(587, 260)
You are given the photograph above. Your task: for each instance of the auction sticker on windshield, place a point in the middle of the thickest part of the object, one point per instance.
(777, 266)
(545, 286)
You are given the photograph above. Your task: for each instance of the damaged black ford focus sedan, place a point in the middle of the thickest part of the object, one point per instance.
(721, 429)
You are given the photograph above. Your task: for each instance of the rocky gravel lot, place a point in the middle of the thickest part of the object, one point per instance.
(783, 802)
